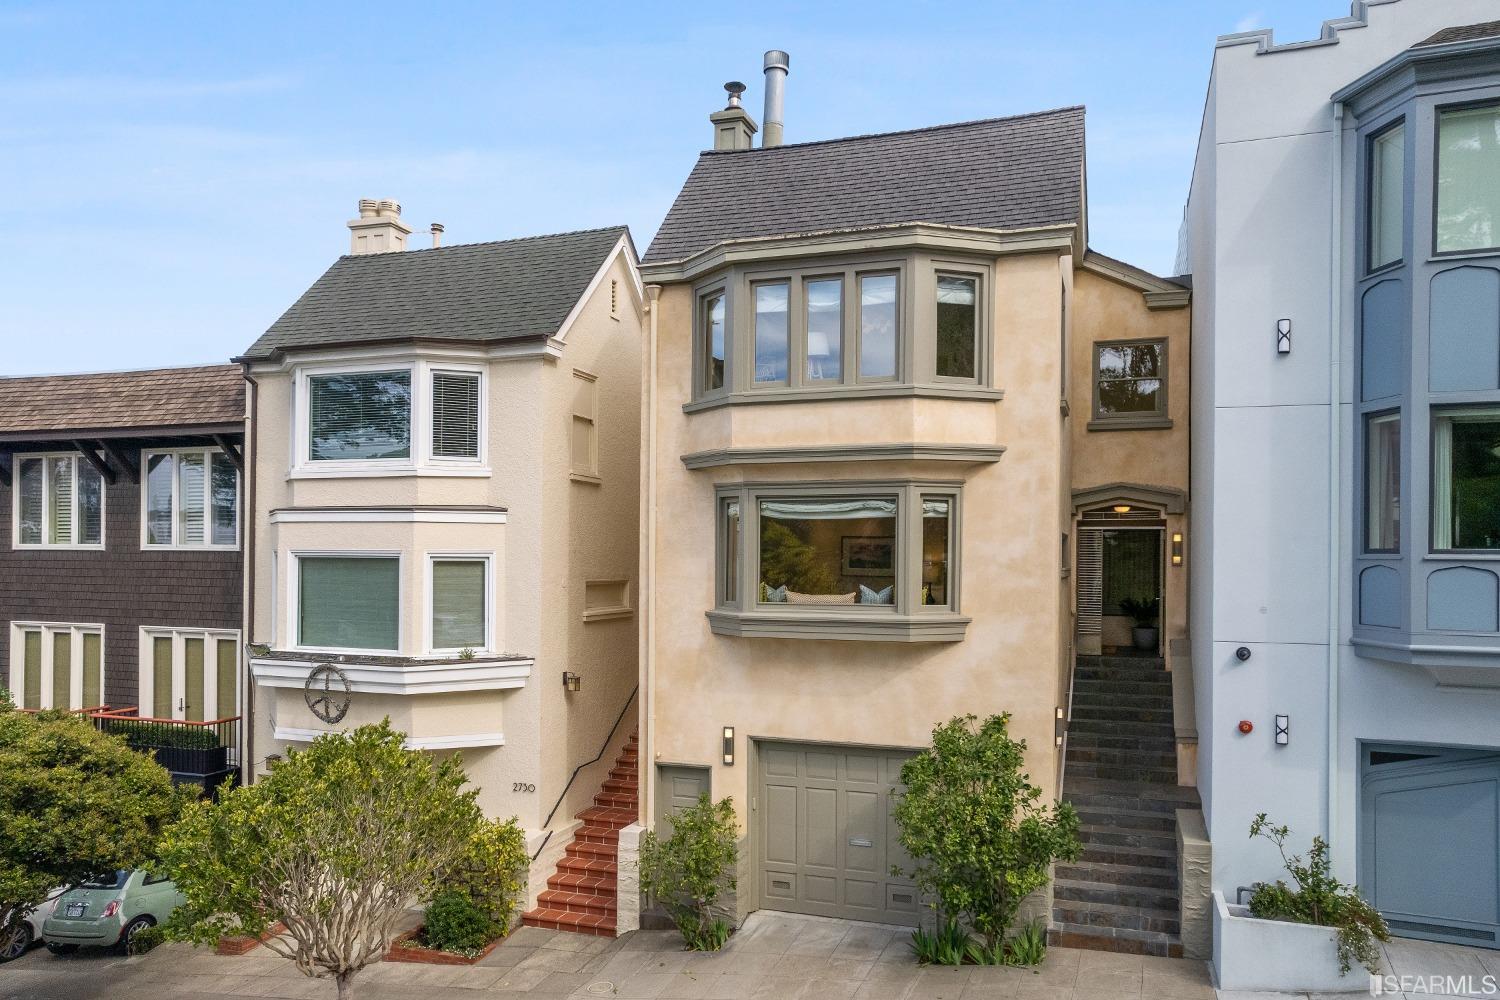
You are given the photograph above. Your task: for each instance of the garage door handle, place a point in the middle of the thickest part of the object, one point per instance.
(860, 842)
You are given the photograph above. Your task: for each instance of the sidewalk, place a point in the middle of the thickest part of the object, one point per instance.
(1415, 970)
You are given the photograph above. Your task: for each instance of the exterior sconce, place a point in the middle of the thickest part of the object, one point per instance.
(1283, 336)
(572, 682)
(1176, 548)
(1059, 726)
(1247, 727)
(1122, 508)
(1283, 730)
(728, 746)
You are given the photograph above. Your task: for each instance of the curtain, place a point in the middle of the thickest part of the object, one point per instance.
(1442, 483)
(827, 510)
(349, 603)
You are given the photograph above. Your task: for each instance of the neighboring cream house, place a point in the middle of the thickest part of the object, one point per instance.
(444, 509)
(875, 422)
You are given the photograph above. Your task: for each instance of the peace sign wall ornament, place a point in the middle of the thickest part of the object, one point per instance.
(328, 693)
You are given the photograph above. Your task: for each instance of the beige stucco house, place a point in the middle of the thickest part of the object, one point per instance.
(894, 407)
(444, 511)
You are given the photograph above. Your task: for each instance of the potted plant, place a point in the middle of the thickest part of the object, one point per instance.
(1144, 611)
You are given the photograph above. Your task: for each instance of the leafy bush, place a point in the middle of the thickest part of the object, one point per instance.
(491, 873)
(974, 824)
(1320, 899)
(453, 922)
(947, 944)
(145, 939)
(1029, 946)
(689, 870)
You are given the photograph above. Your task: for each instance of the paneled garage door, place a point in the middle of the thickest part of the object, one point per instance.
(825, 841)
(1430, 842)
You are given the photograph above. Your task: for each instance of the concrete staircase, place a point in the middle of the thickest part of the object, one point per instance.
(1121, 776)
(581, 896)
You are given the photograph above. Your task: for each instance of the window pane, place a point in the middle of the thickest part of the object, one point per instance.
(1387, 194)
(93, 670)
(192, 682)
(458, 604)
(1466, 480)
(713, 324)
(1383, 483)
(455, 415)
(359, 416)
(771, 304)
(877, 326)
(350, 603)
(228, 679)
(1468, 179)
(62, 669)
(731, 583)
(957, 324)
(159, 477)
(1129, 378)
(226, 500)
(937, 519)
(31, 671)
(825, 329)
(161, 677)
(60, 483)
(191, 497)
(29, 485)
(828, 551)
(90, 504)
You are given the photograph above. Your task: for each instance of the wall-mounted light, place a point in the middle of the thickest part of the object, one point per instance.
(1122, 508)
(1283, 730)
(1176, 548)
(1059, 727)
(1283, 336)
(572, 681)
(728, 746)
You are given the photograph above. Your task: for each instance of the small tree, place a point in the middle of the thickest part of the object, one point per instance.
(74, 802)
(688, 871)
(335, 843)
(974, 825)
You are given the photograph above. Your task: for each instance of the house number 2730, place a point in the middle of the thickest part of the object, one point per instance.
(522, 786)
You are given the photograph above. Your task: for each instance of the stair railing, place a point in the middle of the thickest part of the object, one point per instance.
(596, 758)
(1067, 719)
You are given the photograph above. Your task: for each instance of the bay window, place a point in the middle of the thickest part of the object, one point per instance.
(771, 327)
(460, 603)
(59, 502)
(957, 326)
(1468, 179)
(349, 602)
(1383, 482)
(359, 416)
(191, 499)
(877, 326)
(1466, 479)
(825, 329)
(1387, 196)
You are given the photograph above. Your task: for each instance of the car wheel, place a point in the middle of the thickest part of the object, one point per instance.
(133, 928)
(61, 949)
(15, 945)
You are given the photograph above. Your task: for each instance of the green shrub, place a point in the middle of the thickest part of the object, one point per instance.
(491, 872)
(1320, 899)
(150, 735)
(976, 828)
(946, 944)
(689, 870)
(454, 923)
(145, 939)
(1029, 946)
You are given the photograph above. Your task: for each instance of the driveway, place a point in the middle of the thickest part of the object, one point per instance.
(773, 956)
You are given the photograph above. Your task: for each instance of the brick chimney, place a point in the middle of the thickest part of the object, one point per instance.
(379, 228)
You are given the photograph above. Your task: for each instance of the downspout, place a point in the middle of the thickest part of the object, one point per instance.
(1335, 459)
(247, 684)
(648, 567)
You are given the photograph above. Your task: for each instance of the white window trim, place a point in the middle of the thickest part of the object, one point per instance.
(294, 593)
(15, 516)
(421, 462)
(459, 555)
(17, 678)
(207, 452)
(147, 687)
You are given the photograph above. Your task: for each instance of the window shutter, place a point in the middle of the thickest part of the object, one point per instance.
(458, 601)
(455, 415)
(60, 529)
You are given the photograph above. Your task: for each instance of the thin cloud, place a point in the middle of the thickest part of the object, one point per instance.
(97, 89)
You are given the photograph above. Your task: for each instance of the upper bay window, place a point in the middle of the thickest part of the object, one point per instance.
(1466, 479)
(1387, 196)
(863, 327)
(1468, 179)
(1130, 385)
(404, 417)
(59, 502)
(1383, 482)
(192, 499)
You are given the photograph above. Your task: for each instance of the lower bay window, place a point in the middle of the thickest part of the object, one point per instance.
(870, 561)
(1466, 479)
(348, 602)
(460, 597)
(56, 666)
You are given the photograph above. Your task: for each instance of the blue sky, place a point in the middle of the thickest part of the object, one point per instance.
(172, 176)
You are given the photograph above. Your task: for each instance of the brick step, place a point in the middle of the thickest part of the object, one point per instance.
(593, 834)
(628, 775)
(563, 920)
(615, 819)
(629, 785)
(596, 866)
(1128, 875)
(1111, 915)
(1124, 772)
(575, 881)
(1066, 935)
(1066, 892)
(1144, 820)
(1110, 741)
(1121, 713)
(1161, 730)
(576, 902)
(592, 850)
(616, 800)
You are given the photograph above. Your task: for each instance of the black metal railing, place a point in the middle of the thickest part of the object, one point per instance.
(205, 753)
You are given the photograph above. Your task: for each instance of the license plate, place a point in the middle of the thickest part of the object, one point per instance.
(77, 909)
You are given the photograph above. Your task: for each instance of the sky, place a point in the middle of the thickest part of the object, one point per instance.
(174, 175)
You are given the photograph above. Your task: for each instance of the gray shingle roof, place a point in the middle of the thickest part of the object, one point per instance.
(1002, 173)
(157, 398)
(483, 292)
(1462, 33)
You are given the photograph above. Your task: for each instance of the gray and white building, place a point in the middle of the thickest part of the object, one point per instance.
(1343, 235)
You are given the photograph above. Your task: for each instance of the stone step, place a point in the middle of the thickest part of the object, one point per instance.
(1123, 772)
(1066, 935)
(1183, 795)
(576, 902)
(1113, 836)
(1145, 820)
(1121, 713)
(1142, 683)
(1129, 702)
(1138, 857)
(563, 920)
(1145, 660)
(1113, 727)
(1066, 892)
(1111, 915)
(1114, 741)
(1130, 875)
(1122, 758)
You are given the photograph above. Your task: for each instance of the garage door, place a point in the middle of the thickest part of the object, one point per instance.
(825, 840)
(1430, 842)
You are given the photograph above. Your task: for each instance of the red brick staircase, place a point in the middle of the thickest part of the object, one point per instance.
(581, 895)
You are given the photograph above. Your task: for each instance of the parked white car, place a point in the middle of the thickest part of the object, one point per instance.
(29, 933)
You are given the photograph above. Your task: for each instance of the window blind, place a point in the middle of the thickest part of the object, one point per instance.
(60, 525)
(93, 670)
(359, 416)
(190, 499)
(159, 476)
(350, 603)
(455, 415)
(29, 486)
(458, 604)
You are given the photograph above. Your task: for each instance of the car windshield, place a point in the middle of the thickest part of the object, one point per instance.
(113, 881)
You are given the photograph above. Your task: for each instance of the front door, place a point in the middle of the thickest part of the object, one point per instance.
(1119, 582)
(193, 675)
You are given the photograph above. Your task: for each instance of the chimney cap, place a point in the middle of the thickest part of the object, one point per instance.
(734, 88)
(777, 59)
